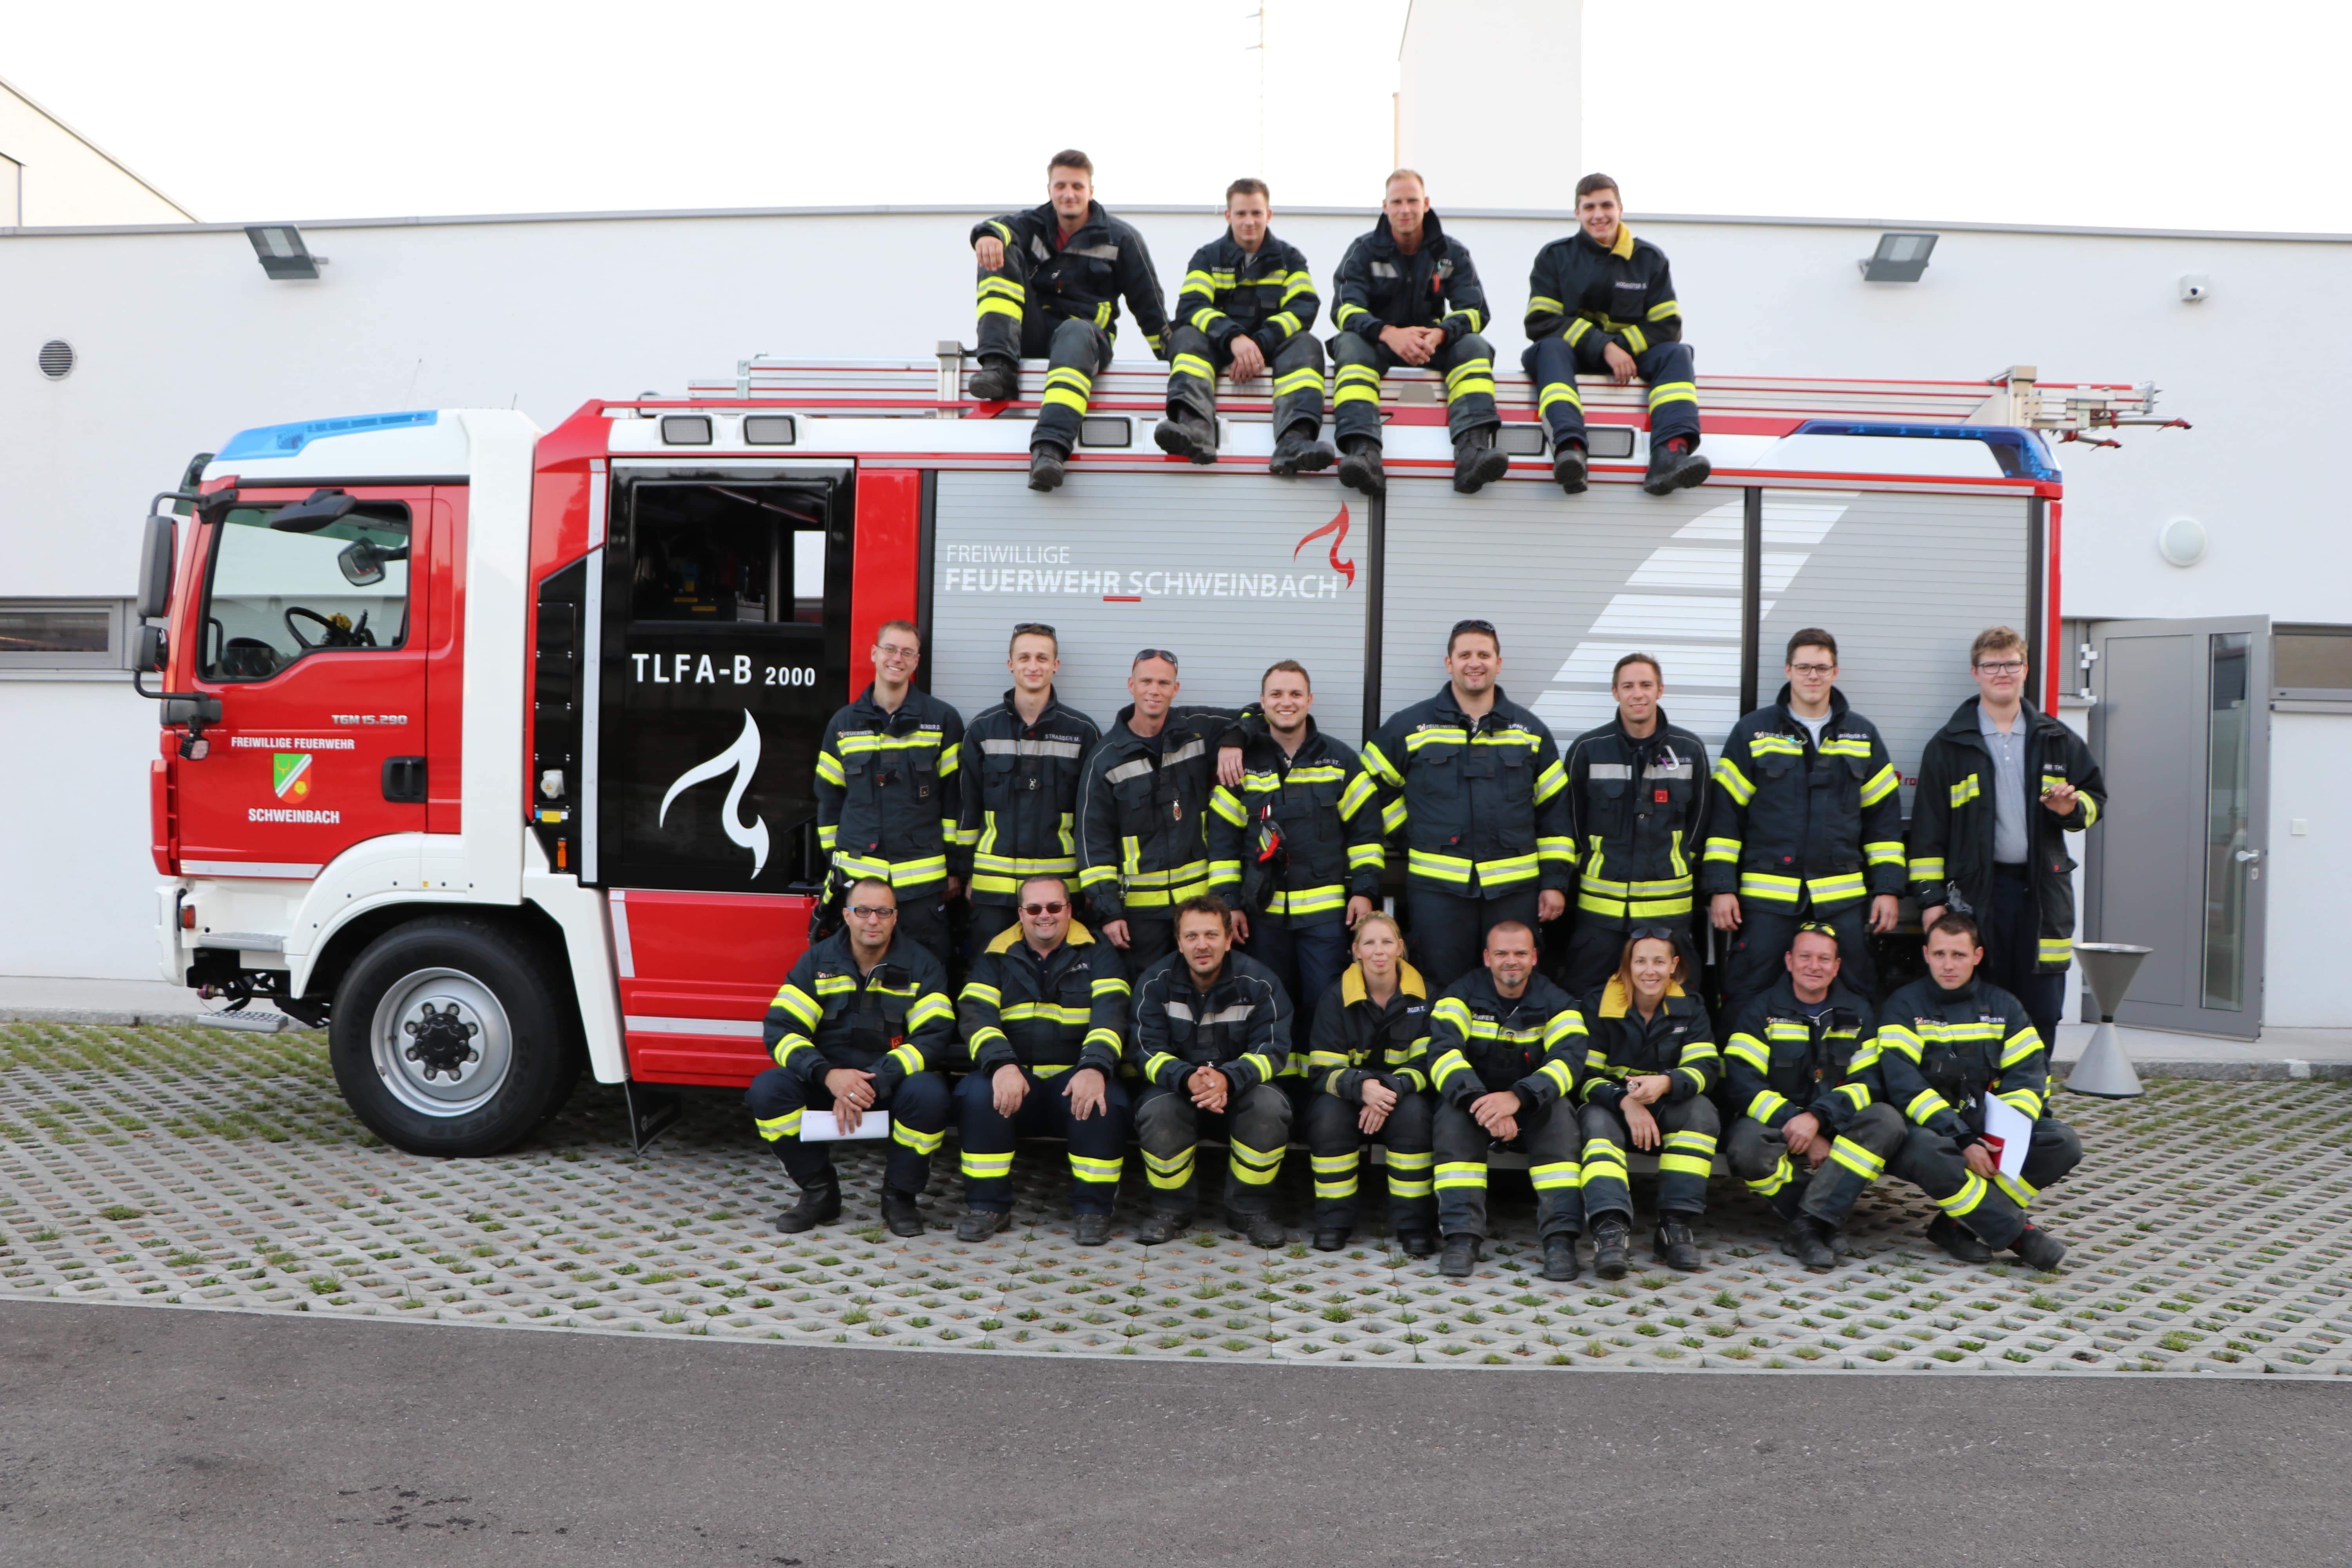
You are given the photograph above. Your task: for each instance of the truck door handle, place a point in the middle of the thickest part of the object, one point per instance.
(2245, 855)
(404, 780)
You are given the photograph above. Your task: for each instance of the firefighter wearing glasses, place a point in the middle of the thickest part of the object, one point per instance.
(1050, 282)
(1647, 1073)
(1044, 1019)
(1410, 295)
(887, 790)
(1019, 784)
(1806, 823)
(1637, 788)
(1247, 307)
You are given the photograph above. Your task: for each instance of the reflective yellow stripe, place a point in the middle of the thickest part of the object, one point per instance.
(1462, 1173)
(985, 1167)
(773, 1127)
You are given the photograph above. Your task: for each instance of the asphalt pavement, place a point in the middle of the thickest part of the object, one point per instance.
(132, 1434)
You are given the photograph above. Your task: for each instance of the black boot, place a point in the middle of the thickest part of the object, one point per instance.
(1559, 1256)
(1417, 1243)
(1948, 1234)
(1359, 465)
(1808, 1242)
(1568, 466)
(1330, 1238)
(998, 379)
(1045, 461)
(1477, 461)
(899, 1212)
(1092, 1229)
(1611, 1240)
(1674, 1244)
(979, 1225)
(1185, 436)
(1260, 1228)
(2042, 1252)
(1461, 1255)
(818, 1205)
(1674, 467)
(1159, 1226)
(1302, 450)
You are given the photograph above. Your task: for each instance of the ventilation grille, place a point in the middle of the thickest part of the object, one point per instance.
(57, 359)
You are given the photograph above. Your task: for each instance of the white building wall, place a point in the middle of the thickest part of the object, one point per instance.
(1530, 56)
(59, 178)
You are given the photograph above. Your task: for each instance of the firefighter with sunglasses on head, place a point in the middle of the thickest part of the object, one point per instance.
(1367, 1081)
(1020, 766)
(1648, 1067)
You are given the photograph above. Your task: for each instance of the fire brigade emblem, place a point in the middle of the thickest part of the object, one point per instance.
(743, 759)
(289, 774)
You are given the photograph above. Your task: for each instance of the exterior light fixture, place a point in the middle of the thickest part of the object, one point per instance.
(1900, 257)
(283, 254)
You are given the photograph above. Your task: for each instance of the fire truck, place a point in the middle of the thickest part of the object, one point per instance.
(490, 748)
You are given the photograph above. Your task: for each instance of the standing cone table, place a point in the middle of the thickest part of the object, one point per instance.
(2104, 1069)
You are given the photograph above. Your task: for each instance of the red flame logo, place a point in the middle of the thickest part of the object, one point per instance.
(1337, 528)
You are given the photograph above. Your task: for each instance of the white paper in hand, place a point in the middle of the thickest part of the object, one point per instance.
(824, 1127)
(2006, 1122)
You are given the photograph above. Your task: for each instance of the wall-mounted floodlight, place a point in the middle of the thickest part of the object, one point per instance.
(1899, 258)
(282, 252)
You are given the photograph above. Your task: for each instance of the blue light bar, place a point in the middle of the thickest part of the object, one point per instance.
(2021, 453)
(286, 440)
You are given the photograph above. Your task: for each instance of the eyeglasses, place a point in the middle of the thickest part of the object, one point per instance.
(872, 911)
(1811, 668)
(888, 651)
(1143, 654)
(1025, 628)
(2004, 667)
(1055, 907)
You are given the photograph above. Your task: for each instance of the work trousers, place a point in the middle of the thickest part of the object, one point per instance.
(1447, 932)
(1336, 1144)
(2011, 931)
(1687, 1130)
(923, 920)
(1149, 940)
(1309, 961)
(986, 923)
(1994, 1210)
(1468, 362)
(1595, 947)
(1255, 1125)
(1075, 352)
(1098, 1145)
(1665, 368)
(918, 1105)
(1297, 369)
(1758, 1155)
(1756, 948)
(1548, 1139)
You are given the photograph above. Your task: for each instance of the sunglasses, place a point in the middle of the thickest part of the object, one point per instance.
(1818, 928)
(1055, 907)
(1143, 654)
(1461, 627)
(872, 911)
(1655, 933)
(1025, 628)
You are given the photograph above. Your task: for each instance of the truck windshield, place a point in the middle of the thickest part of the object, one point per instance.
(277, 595)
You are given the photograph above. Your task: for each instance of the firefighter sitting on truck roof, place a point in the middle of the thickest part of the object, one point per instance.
(858, 1026)
(1019, 784)
(1409, 294)
(1050, 282)
(885, 790)
(1805, 823)
(1247, 308)
(1602, 301)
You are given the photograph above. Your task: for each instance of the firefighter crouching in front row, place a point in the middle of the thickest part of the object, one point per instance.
(1247, 307)
(1946, 1046)
(1797, 1064)
(1018, 781)
(1044, 1019)
(1409, 294)
(1365, 1083)
(1050, 282)
(1603, 302)
(1211, 1037)
(860, 1024)
(1647, 1072)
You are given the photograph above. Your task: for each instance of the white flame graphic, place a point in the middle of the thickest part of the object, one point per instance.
(743, 756)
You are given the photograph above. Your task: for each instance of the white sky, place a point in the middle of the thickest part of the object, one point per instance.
(2158, 112)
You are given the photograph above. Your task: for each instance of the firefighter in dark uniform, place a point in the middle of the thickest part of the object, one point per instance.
(1638, 789)
(1210, 1037)
(1050, 283)
(1805, 823)
(1978, 843)
(1648, 1069)
(858, 1026)
(1247, 307)
(1019, 784)
(1045, 1022)
(1797, 1067)
(1366, 1082)
(1505, 1053)
(1143, 805)
(887, 790)
(1602, 302)
(1476, 787)
(1409, 294)
(1946, 1044)
(1295, 847)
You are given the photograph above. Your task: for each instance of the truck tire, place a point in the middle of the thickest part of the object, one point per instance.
(448, 1039)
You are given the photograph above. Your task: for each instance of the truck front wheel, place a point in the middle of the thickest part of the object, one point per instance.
(447, 1039)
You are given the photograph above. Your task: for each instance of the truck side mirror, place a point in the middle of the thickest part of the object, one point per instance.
(362, 563)
(148, 649)
(156, 568)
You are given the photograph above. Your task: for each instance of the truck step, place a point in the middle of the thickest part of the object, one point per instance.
(252, 1023)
